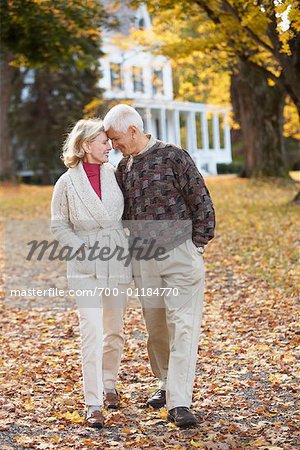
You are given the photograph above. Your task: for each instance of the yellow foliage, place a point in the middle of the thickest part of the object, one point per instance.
(291, 120)
(182, 30)
(195, 80)
(163, 413)
(73, 417)
(196, 444)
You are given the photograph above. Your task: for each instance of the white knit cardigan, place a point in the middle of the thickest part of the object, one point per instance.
(79, 218)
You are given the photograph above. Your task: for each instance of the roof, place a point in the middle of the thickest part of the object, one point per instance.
(125, 16)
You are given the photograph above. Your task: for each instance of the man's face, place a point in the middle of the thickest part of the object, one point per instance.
(122, 141)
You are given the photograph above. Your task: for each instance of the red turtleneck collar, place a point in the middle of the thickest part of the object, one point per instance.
(93, 173)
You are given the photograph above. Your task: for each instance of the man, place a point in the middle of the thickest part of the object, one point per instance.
(165, 199)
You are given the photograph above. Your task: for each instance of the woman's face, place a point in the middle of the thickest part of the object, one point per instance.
(98, 150)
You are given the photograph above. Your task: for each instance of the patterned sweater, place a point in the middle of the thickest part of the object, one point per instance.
(166, 195)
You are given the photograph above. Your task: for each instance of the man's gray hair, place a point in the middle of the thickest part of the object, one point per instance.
(121, 117)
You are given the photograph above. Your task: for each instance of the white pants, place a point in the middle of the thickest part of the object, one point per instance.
(102, 339)
(173, 321)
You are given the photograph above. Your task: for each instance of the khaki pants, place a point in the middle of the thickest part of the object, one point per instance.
(173, 319)
(102, 339)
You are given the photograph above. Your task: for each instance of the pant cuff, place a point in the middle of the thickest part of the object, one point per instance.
(162, 385)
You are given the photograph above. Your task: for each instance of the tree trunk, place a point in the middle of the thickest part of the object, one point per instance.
(7, 163)
(258, 107)
(43, 86)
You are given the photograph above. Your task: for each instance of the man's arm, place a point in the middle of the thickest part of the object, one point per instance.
(197, 197)
(119, 176)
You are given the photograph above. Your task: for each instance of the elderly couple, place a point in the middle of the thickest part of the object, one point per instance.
(159, 193)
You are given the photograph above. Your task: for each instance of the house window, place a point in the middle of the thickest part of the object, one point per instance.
(141, 24)
(157, 82)
(115, 76)
(137, 77)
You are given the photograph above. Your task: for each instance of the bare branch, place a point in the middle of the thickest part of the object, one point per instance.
(211, 14)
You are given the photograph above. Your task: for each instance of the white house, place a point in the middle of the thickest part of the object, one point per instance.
(146, 79)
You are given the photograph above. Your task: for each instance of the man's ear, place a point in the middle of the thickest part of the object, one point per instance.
(133, 131)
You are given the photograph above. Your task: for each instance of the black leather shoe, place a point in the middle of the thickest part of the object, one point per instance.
(158, 399)
(182, 417)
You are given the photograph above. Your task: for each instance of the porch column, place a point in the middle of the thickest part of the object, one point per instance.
(191, 133)
(162, 124)
(227, 140)
(177, 127)
(204, 126)
(149, 128)
(216, 132)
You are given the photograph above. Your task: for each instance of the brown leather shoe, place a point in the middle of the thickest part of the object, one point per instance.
(112, 400)
(95, 420)
(182, 417)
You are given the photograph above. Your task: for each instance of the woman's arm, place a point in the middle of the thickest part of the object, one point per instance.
(61, 226)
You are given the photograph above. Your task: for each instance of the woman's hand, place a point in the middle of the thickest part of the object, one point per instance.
(85, 265)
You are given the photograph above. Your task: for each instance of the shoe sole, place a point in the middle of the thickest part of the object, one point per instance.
(98, 425)
(156, 406)
(112, 406)
(182, 424)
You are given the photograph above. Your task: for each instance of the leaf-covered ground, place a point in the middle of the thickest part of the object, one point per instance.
(247, 387)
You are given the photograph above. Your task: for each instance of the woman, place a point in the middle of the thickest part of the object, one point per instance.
(86, 211)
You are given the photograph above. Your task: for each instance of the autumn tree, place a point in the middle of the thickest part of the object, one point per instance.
(57, 98)
(237, 35)
(47, 34)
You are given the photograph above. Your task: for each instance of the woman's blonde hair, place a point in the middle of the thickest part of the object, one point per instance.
(85, 131)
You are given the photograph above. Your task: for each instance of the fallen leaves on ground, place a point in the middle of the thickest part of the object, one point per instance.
(247, 386)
